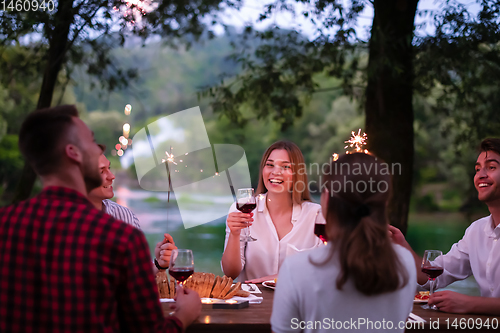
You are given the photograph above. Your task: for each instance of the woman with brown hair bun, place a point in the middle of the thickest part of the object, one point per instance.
(282, 222)
(360, 277)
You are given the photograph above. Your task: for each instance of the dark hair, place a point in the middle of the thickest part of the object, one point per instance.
(490, 144)
(356, 222)
(298, 169)
(43, 134)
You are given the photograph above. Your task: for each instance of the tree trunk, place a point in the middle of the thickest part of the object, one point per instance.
(57, 34)
(389, 111)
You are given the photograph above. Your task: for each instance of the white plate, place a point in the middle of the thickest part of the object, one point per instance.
(266, 284)
(251, 298)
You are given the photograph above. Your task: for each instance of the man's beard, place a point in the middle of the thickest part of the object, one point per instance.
(91, 174)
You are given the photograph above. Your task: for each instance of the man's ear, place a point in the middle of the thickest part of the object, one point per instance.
(73, 153)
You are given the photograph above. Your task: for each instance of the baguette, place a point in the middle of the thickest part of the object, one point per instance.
(162, 283)
(232, 292)
(225, 290)
(205, 284)
(216, 288)
(172, 288)
(242, 293)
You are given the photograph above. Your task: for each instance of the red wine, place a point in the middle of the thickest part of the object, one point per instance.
(432, 271)
(181, 274)
(320, 231)
(246, 208)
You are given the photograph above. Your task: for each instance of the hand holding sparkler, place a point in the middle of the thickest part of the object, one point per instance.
(163, 250)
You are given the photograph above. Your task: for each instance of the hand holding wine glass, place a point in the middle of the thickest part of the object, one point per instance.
(431, 268)
(246, 203)
(320, 227)
(181, 265)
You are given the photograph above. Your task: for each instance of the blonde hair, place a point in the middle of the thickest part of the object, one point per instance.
(298, 169)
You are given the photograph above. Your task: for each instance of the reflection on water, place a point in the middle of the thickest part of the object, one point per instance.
(158, 216)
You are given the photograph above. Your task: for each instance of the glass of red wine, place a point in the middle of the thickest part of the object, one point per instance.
(320, 227)
(432, 268)
(246, 203)
(181, 265)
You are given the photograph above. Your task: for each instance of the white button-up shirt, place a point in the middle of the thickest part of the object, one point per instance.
(477, 253)
(265, 256)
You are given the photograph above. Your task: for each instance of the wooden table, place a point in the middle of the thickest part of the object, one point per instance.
(256, 318)
(445, 322)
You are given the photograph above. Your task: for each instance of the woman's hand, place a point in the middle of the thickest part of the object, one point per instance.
(237, 221)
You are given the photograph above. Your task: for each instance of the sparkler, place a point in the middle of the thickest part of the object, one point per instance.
(169, 159)
(357, 141)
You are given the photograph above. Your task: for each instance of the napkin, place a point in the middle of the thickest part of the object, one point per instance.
(254, 290)
(414, 318)
(252, 299)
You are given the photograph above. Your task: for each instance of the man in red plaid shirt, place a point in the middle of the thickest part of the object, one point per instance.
(66, 266)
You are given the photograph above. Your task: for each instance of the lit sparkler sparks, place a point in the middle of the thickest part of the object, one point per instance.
(170, 158)
(357, 141)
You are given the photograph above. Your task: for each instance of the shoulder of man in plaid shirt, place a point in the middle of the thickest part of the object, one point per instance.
(67, 267)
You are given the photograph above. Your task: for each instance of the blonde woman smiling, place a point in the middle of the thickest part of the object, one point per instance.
(282, 222)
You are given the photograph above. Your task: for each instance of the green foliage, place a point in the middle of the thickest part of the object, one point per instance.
(19, 83)
(460, 68)
(11, 163)
(425, 203)
(107, 126)
(327, 121)
(439, 231)
(279, 78)
(168, 81)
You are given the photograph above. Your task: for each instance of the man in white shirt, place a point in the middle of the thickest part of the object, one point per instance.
(478, 252)
(100, 196)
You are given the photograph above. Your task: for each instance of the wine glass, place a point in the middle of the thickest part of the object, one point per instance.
(320, 227)
(432, 269)
(246, 203)
(181, 265)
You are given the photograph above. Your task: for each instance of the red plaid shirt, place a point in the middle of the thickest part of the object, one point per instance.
(67, 267)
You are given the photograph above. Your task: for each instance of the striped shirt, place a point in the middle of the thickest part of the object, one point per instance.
(120, 213)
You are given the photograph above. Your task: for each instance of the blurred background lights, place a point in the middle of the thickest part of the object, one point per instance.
(119, 152)
(128, 109)
(126, 130)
